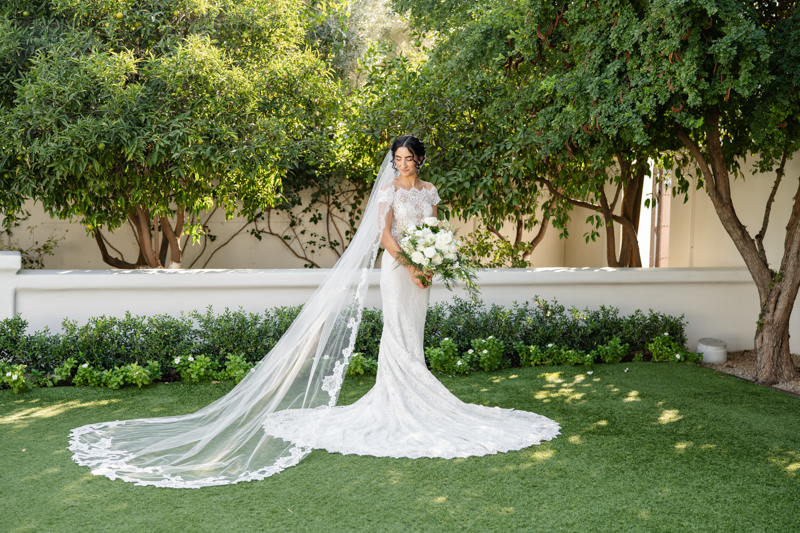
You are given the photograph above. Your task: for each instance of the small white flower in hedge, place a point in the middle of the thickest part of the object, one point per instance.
(485, 351)
(191, 358)
(550, 345)
(490, 337)
(459, 363)
(626, 370)
(590, 372)
(177, 360)
(85, 365)
(13, 377)
(666, 333)
(446, 339)
(677, 356)
(469, 351)
(8, 374)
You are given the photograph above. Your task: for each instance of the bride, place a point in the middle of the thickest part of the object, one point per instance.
(287, 405)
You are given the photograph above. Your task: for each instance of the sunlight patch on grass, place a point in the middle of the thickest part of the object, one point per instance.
(633, 396)
(440, 499)
(602, 422)
(708, 446)
(542, 455)
(791, 464)
(552, 377)
(668, 416)
(567, 394)
(681, 446)
(575, 439)
(52, 410)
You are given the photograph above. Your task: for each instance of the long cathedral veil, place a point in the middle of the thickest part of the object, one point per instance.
(225, 442)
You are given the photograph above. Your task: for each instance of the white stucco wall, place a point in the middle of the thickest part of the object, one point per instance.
(717, 302)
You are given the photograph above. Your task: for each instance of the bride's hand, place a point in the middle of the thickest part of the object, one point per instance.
(415, 277)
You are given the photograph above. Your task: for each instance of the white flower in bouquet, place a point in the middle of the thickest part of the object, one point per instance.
(436, 259)
(429, 252)
(445, 225)
(450, 256)
(445, 237)
(452, 248)
(431, 221)
(417, 257)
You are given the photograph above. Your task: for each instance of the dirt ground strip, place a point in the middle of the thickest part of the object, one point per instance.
(743, 364)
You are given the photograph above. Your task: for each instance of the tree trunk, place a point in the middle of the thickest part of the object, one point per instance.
(774, 361)
(777, 290)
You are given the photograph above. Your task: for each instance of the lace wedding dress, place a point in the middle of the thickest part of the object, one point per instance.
(409, 413)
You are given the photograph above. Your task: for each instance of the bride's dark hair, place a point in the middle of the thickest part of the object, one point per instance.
(413, 144)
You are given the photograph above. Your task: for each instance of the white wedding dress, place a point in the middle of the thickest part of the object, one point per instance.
(408, 413)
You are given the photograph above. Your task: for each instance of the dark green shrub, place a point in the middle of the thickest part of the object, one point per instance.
(532, 333)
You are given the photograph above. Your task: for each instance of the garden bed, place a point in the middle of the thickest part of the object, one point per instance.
(742, 364)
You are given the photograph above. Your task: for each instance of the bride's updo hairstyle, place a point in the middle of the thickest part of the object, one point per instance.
(413, 144)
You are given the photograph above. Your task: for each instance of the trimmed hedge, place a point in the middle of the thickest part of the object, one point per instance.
(107, 342)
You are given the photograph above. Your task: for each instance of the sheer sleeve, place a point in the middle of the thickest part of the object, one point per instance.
(434, 196)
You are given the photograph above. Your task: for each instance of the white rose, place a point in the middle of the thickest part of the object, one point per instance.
(424, 262)
(436, 259)
(450, 256)
(452, 248)
(430, 251)
(417, 257)
(431, 221)
(446, 237)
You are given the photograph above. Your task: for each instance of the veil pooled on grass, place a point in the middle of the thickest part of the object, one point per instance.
(225, 442)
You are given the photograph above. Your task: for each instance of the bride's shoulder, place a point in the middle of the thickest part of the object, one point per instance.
(428, 185)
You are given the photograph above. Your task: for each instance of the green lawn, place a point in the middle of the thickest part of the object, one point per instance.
(663, 447)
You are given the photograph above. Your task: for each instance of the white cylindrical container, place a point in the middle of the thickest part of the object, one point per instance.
(713, 350)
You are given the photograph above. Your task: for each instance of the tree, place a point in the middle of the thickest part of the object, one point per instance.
(153, 113)
(574, 170)
(707, 81)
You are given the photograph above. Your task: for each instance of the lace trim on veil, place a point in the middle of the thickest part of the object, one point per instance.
(115, 464)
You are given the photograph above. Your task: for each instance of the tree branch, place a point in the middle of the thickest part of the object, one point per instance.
(762, 233)
(107, 258)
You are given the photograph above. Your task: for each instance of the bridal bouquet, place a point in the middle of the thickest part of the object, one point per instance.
(433, 247)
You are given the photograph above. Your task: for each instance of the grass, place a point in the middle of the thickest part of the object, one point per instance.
(663, 447)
